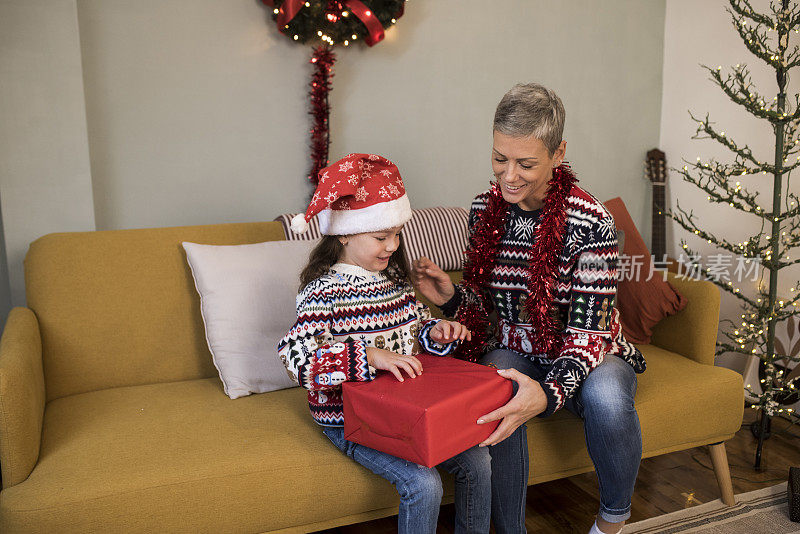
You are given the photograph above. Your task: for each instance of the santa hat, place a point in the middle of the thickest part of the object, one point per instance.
(359, 193)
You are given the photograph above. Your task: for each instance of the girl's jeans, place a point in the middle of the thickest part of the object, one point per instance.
(420, 487)
(613, 438)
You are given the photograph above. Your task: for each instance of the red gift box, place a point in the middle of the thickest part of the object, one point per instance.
(427, 419)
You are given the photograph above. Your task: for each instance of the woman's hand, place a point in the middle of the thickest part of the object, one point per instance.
(431, 281)
(394, 363)
(529, 401)
(449, 331)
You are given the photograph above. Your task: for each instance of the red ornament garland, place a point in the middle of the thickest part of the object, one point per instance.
(323, 59)
(542, 271)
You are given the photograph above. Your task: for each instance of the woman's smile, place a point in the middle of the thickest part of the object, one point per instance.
(512, 188)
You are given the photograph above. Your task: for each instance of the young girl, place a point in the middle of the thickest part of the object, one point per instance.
(356, 312)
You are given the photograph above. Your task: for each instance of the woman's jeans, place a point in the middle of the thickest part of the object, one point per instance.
(420, 487)
(613, 438)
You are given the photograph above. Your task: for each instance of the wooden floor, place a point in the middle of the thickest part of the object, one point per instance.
(665, 484)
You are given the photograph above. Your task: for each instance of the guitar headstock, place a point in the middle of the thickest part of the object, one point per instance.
(656, 166)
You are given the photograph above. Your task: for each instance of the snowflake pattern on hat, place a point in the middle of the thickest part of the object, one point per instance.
(359, 193)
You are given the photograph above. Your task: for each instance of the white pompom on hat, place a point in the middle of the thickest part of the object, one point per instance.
(299, 223)
(359, 193)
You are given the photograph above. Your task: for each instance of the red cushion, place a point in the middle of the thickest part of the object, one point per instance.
(642, 303)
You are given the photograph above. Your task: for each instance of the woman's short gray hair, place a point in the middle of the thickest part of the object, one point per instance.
(531, 110)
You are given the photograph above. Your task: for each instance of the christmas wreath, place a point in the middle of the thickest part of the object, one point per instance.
(335, 21)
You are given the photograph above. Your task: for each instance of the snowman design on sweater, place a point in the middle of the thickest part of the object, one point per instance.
(339, 315)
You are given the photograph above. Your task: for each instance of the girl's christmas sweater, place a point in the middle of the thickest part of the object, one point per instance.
(339, 315)
(585, 289)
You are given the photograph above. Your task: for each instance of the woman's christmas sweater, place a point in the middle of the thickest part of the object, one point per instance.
(339, 315)
(584, 294)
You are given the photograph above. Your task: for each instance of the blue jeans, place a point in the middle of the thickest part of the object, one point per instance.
(420, 487)
(613, 438)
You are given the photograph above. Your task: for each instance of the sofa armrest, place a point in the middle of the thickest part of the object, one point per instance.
(691, 332)
(21, 396)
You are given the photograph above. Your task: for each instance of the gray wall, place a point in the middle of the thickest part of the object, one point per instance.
(45, 183)
(196, 110)
(5, 286)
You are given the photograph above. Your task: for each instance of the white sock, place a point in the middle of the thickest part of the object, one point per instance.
(596, 530)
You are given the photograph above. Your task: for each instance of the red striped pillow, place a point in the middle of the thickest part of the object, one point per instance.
(439, 234)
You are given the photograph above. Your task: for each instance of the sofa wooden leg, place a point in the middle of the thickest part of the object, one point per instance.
(719, 460)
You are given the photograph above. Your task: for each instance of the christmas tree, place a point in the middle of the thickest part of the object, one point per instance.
(769, 251)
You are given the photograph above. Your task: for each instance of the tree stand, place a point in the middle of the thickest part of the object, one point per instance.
(762, 430)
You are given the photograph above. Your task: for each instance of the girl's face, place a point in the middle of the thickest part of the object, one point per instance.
(370, 250)
(523, 167)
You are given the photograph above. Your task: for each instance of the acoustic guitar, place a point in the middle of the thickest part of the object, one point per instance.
(656, 170)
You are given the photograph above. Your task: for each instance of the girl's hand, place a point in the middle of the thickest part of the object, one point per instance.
(394, 363)
(431, 281)
(449, 331)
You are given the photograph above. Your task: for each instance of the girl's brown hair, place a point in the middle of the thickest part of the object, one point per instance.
(329, 250)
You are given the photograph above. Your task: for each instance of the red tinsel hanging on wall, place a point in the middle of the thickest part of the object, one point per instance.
(332, 22)
(322, 59)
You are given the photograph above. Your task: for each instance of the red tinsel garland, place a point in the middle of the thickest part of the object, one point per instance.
(542, 271)
(480, 253)
(323, 59)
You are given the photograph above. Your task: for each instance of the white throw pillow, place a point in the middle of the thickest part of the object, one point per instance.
(247, 299)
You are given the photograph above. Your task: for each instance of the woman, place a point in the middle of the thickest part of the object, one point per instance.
(543, 255)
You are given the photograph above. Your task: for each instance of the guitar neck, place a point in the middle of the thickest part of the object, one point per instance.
(657, 174)
(659, 229)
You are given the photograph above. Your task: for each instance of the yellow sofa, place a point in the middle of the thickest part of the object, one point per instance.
(113, 418)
